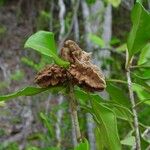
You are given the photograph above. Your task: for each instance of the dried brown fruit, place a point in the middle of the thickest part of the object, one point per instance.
(81, 71)
(88, 76)
(84, 73)
(51, 75)
(72, 52)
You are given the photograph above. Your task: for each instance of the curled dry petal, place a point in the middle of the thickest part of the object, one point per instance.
(84, 73)
(88, 76)
(51, 75)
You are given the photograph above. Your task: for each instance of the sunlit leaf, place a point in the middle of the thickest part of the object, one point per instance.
(114, 3)
(129, 141)
(44, 42)
(2, 103)
(139, 35)
(83, 145)
(29, 91)
(142, 93)
(144, 55)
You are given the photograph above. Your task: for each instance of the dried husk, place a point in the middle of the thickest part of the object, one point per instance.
(84, 73)
(51, 75)
(81, 71)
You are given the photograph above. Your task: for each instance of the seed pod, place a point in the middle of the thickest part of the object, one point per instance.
(84, 73)
(51, 75)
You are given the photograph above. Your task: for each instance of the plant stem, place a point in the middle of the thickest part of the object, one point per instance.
(74, 115)
(136, 124)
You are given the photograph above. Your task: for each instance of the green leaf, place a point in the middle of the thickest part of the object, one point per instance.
(107, 126)
(141, 93)
(144, 55)
(96, 40)
(28, 91)
(139, 35)
(83, 96)
(47, 124)
(121, 112)
(129, 141)
(83, 145)
(117, 94)
(115, 3)
(122, 47)
(114, 41)
(90, 1)
(44, 42)
(143, 74)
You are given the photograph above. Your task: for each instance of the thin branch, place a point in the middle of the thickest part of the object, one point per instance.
(74, 115)
(136, 123)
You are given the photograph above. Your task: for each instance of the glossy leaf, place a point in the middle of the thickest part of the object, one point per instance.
(28, 91)
(107, 125)
(44, 42)
(139, 35)
(83, 145)
(144, 55)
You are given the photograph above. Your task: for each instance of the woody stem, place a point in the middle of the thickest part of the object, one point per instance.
(74, 115)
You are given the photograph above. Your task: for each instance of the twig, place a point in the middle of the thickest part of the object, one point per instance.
(74, 115)
(136, 124)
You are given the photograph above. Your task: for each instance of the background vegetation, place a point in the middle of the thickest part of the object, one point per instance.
(98, 26)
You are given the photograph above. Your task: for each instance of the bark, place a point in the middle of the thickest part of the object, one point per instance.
(97, 24)
(74, 115)
(76, 36)
(135, 116)
(60, 98)
(90, 124)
